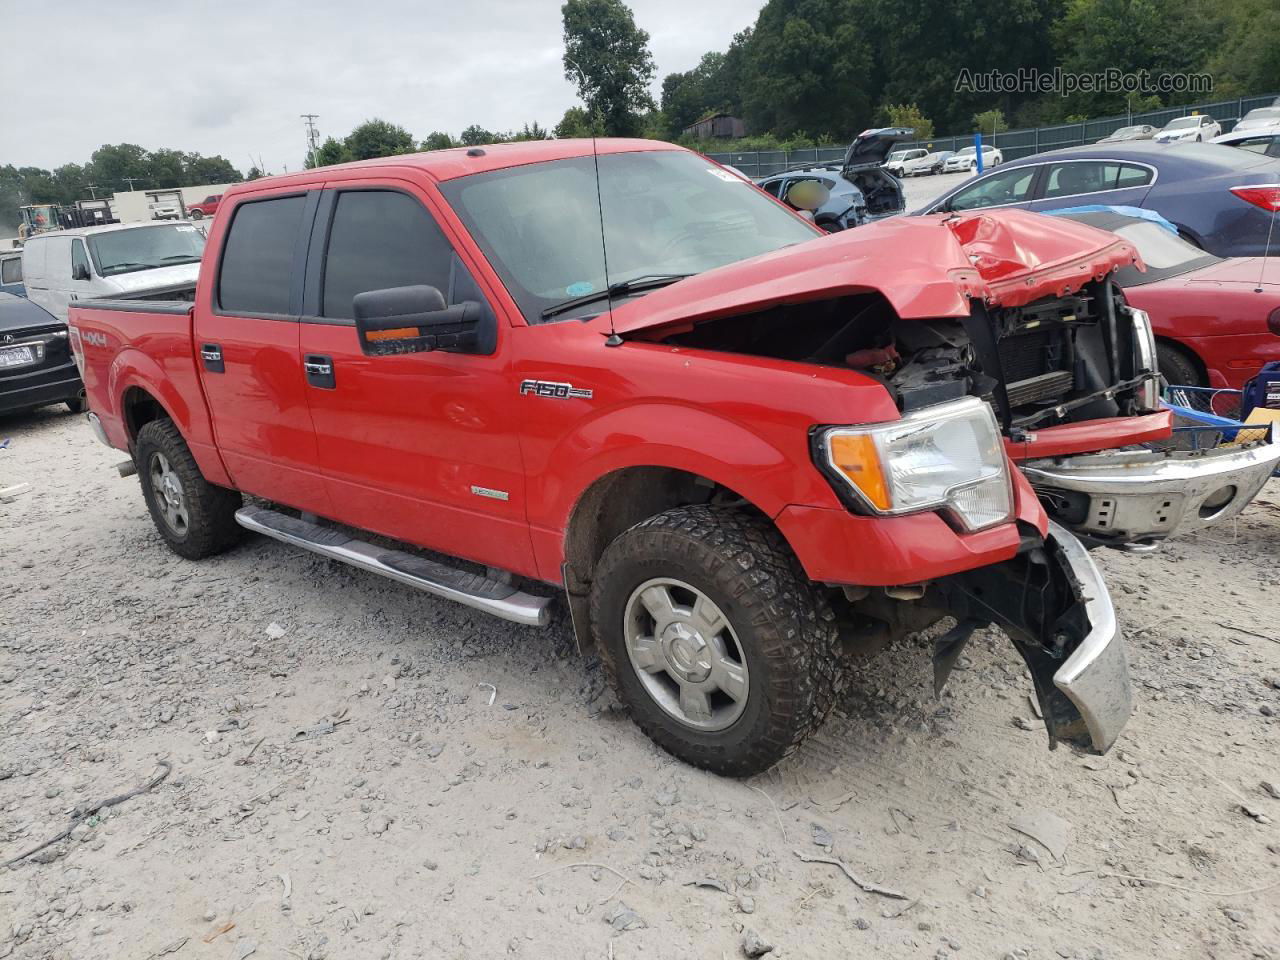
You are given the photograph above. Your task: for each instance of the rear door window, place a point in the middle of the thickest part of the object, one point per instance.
(11, 270)
(381, 239)
(257, 259)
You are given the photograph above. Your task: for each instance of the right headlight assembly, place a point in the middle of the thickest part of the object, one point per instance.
(948, 457)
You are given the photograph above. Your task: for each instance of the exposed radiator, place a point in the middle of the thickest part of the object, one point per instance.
(1046, 386)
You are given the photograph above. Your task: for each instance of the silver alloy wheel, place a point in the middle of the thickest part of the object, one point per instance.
(170, 497)
(686, 654)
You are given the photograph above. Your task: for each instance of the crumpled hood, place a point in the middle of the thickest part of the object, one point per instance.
(155, 280)
(929, 266)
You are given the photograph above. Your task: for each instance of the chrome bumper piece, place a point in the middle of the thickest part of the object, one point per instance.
(1140, 496)
(96, 426)
(1095, 677)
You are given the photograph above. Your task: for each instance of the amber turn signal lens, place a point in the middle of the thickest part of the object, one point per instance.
(855, 456)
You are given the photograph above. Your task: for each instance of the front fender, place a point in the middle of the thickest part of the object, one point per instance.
(692, 439)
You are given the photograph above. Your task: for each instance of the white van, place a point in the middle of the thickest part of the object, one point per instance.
(118, 261)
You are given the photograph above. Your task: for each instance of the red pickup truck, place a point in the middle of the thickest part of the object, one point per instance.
(205, 208)
(746, 451)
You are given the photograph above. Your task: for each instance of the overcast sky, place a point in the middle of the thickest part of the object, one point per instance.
(231, 77)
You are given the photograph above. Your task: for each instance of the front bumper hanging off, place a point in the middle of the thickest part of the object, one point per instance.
(1141, 496)
(1052, 601)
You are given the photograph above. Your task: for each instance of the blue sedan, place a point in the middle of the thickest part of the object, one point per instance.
(1221, 199)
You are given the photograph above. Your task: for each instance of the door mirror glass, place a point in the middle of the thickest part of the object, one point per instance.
(415, 319)
(80, 272)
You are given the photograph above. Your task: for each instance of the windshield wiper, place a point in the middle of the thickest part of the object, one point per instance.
(184, 257)
(650, 281)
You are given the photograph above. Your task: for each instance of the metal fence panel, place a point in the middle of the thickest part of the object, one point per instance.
(1014, 144)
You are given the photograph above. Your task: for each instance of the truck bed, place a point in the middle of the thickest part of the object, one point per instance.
(143, 345)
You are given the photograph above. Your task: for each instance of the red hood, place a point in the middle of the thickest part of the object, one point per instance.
(1238, 270)
(925, 266)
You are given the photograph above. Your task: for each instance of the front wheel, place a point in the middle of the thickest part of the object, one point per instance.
(196, 518)
(710, 634)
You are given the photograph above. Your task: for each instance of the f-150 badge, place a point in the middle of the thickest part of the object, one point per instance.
(549, 388)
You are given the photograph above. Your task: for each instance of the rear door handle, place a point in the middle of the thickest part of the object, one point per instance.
(211, 354)
(319, 371)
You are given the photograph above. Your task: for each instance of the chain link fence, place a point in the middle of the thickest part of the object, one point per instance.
(1012, 143)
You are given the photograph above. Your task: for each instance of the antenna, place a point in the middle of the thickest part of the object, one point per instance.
(613, 340)
(1266, 251)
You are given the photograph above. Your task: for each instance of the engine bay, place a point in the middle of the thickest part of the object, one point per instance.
(1056, 360)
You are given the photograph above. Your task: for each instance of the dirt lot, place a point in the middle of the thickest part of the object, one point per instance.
(444, 817)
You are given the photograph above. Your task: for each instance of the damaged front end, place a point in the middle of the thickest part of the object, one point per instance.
(1053, 603)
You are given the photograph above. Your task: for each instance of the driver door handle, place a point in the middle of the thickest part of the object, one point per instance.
(319, 371)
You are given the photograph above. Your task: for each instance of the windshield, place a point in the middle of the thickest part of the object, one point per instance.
(1182, 123)
(1164, 253)
(144, 248)
(1264, 113)
(666, 213)
(967, 151)
(897, 155)
(1127, 131)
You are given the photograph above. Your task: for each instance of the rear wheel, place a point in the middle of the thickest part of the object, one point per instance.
(1177, 367)
(196, 518)
(721, 649)
(197, 215)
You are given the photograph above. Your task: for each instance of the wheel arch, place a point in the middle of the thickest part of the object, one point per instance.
(1187, 353)
(619, 500)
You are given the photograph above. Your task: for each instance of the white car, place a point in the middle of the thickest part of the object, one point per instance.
(1258, 119)
(904, 163)
(164, 210)
(1190, 129)
(967, 159)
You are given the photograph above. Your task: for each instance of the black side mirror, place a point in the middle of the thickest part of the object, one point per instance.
(80, 272)
(415, 320)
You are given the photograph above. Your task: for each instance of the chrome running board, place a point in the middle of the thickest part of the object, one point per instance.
(430, 576)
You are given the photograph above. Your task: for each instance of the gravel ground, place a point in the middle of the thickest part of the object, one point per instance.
(481, 795)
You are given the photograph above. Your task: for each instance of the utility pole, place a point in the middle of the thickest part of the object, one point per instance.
(313, 136)
(131, 181)
(92, 188)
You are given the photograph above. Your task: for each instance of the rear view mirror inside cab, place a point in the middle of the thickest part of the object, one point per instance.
(416, 319)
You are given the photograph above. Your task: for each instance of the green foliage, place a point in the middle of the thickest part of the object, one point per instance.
(907, 115)
(807, 65)
(707, 88)
(254, 174)
(330, 152)
(606, 56)
(576, 122)
(438, 140)
(1248, 59)
(378, 138)
(990, 121)
(475, 135)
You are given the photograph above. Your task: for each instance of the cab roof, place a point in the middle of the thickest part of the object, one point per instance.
(458, 161)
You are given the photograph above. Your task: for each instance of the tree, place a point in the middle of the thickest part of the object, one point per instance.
(907, 115)
(808, 65)
(254, 174)
(533, 131)
(378, 138)
(687, 97)
(607, 57)
(330, 152)
(1248, 59)
(990, 121)
(475, 135)
(215, 169)
(576, 122)
(438, 141)
(1159, 37)
(111, 164)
